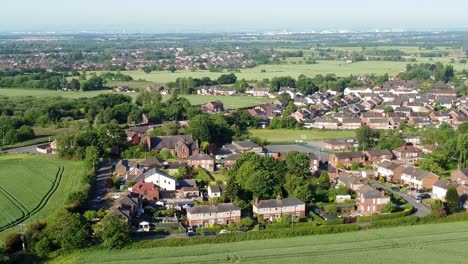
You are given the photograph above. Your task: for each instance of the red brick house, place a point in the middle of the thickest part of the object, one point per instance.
(460, 176)
(204, 161)
(378, 155)
(335, 144)
(183, 146)
(206, 215)
(275, 208)
(370, 201)
(213, 107)
(346, 159)
(408, 154)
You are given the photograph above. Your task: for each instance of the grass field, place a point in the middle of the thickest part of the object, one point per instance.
(230, 102)
(32, 187)
(436, 243)
(306, 135)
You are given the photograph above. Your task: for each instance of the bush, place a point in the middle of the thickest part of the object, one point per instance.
(13, 242)
(377, 217)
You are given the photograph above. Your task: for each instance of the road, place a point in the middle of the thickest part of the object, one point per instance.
(28, 149)
(421, 209)
(99, 185)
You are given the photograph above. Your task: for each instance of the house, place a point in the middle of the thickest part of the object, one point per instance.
(439, 189)
(378, 155)
(275, 208)
(370, 201)
(214, 191)
(189, 192)
(460, 176)
(301, 114)
(335, 144)
(346, 159)
(183, 146)
(350, 181)
(133, 138)
(153, 162)
(147, 190)
(243, 146)
(326, 123)
(333, 173)
(357, 91)
(204, 161)
(127, 206)
(378, 123)
(351, 123)
(390, 170)
(259, 92)
(439, 117)
(280, 151)
(230, 160)
(161, 179)
(418, 178)
(123, 166)
(408, 154)
(213, 107)
(208, 215)
(462, 190)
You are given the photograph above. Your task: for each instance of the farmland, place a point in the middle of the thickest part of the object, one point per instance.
(32, 187)
(277, 136)
(436, 243)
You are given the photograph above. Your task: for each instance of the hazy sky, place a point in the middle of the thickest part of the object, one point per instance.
(235, 15)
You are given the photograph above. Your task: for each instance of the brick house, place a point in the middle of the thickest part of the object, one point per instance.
(377, 155)
(408, 154)
(335, 144)
(259, 92)
(214, 191)
(243, 146)
(351, 123)
(370, 201)
(230, 160)
(275, 208)
(460, 176)
(418, 178)
(346, 158)
(350, 181)
(326, 123)
(379, 123)
(206, 215)
(213, 107)
(390, 170)
(204, 161)
(189, 192)
(183, 146)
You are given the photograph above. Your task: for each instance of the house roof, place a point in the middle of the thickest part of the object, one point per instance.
(170, 142)
(205, 209)
(190, 189)
(369, 192)
(186, 183)
(349, 155)
(245, 144)
(444, 184)
(416, 172)
(152, 162)
(285, 202)
(201, 156)
(379, 152)
(158, 171)
(348, 178)
(389, 165)
(214, 188)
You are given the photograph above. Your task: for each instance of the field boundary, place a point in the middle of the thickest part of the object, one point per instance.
(42, 203)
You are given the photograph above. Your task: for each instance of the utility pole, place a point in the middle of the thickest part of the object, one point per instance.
(23, 239)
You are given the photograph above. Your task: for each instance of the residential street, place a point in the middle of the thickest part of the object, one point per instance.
(421, 209)
(99, 186)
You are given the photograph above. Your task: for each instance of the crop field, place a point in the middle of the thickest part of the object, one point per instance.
(277, 136)
(32, 187)
(436, 243)
(230, 102)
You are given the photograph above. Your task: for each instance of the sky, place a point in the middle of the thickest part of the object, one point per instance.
(157, 16)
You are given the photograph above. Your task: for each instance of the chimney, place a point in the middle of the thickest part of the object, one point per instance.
(382, 193)
(257, 200)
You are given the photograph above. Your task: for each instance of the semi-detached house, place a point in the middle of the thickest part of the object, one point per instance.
(275, 208)
(206, 215)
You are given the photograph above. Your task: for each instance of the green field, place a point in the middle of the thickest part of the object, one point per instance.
(230, 102)
(436, 243)
(32, 187)
(306, 135)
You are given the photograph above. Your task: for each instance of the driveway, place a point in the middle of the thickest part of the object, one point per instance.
(421, 209)
(28, 149)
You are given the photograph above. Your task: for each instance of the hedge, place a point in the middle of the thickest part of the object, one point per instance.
(322, 221)
(240, 236)
(378, 217)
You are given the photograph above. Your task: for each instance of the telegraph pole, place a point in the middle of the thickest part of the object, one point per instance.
(23, 239)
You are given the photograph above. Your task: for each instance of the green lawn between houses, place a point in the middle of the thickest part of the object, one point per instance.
(277, 136)
(434, 243)
(26, 179)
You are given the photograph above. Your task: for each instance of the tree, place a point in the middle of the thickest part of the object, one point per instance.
(74, 85)
(452, 200)
(365, 137)
(91, 157)
(69, 230)
(298, 163)
(389, 208)
(111, 138)
(246, 223)
(113, 230)
(227, 79)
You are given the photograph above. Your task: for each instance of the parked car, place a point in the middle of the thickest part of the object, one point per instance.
(395, 189)
(189, 229)
(207, 233)
(424, 196)
(241, 230)
(224, 231)
(190, 234)
(418, 199)
(261, 227)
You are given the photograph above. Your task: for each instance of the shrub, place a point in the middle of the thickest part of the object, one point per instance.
(13, 242)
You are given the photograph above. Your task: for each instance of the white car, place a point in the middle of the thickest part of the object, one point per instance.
(224, 231)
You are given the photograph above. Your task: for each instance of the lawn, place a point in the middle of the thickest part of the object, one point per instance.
(277, 136)
(436, 243)
(31, 185)
(230, 102)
